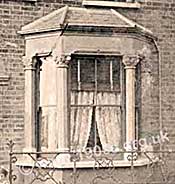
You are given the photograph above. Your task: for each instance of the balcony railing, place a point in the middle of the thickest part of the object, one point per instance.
(153, 167)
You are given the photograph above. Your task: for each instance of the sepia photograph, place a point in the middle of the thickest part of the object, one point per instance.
(87, 91)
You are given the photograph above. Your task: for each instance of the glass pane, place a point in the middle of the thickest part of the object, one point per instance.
(48, 123)
(108, 121)
(93, 125)
(74, 74)
(103, 74)
(94, 138)
(108, 98)
(48, 76)
(47, 103)
(87, 74)
(80, 118)
(116, 74)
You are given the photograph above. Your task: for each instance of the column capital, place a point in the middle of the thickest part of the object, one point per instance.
(63, 61)
(29, 63)
(130, 61)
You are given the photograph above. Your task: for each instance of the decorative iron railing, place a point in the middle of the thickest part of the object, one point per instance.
(137, 167)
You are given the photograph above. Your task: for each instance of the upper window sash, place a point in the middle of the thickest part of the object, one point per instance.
(86, 73)
(30, 0)
(114, 3)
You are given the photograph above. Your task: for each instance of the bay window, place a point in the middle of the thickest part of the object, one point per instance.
(82, 88)
(96, 97)
(87, 102)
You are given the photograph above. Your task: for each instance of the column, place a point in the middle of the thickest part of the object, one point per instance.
(130, 63)
(29, 115)
(63, 126)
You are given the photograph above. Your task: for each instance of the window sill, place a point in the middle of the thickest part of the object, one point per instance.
(30, 0)
(90, 164)
(65, 163)
(111, 4)
(4, 80)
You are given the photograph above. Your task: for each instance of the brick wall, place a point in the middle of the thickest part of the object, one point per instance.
(156, 15)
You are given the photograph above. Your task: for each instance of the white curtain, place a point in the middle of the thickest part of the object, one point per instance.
(81, 118)
(108, 119)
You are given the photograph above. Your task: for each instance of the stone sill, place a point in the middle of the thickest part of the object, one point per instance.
(90, 164)
(85, 164)
(111, 4)
(4, 80)
(30, 0)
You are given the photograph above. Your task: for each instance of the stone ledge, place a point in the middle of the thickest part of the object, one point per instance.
(4, 80)
(30, 0)
(111, 4)
(64, 163)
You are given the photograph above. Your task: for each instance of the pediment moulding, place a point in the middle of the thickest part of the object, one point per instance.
(4, 80)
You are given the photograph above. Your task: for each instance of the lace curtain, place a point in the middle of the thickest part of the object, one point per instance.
(81, 118)
(107, 118)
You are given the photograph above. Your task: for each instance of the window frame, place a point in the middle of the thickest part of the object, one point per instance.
(115, 4)
(120, 88)
(110, 60)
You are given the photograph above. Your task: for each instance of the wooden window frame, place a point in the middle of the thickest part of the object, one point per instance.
(114, 4)
(121, 73)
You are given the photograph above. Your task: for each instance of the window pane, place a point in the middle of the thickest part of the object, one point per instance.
(103, 74)
(116, 0)
(87, 74)
(116, 73)
(94, 115)
(94, 139)
(81, 118)
(107, 74)
(47, 102)
(74, 74)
